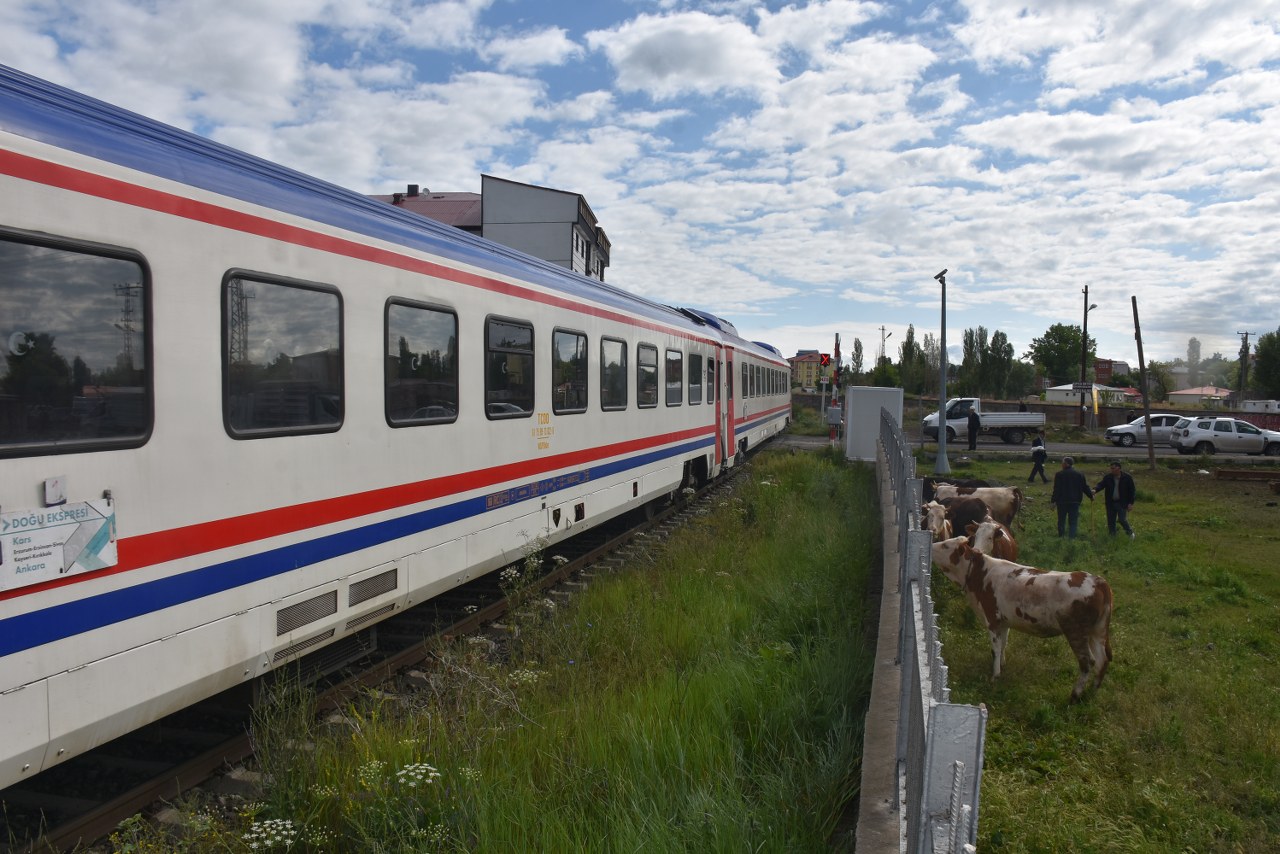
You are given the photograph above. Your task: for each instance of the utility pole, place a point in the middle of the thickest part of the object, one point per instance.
(1142, 378)
(1244, 366)
(883, 338)
(941, 465)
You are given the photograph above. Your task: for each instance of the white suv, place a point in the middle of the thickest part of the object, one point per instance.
(1208, 435)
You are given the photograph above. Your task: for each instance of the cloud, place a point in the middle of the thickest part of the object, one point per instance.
(686, 53)
(550, 46)
(1094, 46)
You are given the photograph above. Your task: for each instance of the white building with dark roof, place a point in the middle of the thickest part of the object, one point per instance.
(554, 225)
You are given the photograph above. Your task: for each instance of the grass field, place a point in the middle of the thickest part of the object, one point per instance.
(710, 698)
(1179, 750)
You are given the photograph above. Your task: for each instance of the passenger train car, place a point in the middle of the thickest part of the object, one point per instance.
(245, 415)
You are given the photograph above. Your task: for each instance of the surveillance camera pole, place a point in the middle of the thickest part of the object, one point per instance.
(942, 466)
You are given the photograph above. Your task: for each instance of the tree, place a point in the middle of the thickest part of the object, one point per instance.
(969, 377)
(1022, 378)
(1265, 376)
(911, 363)
(855, 358)
(1159, 380)
(999, 364)
(932, 360)
(1193, 362)
(1056, 354)
(885, 374)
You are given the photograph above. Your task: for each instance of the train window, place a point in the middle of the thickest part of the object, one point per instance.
(282, 356)
(613, 374)
(674, 377)
(711, 379)
(73, 326)
(508, 376)
(646, 375)
(745, 389)
(568, 372)
(421, 364)
(695, 378)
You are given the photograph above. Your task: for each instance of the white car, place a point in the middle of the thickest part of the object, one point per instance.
(1135, 432)
(1208, 435)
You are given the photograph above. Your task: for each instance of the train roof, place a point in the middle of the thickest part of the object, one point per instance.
(43, 111)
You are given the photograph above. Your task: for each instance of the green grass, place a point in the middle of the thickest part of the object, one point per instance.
(1179, 750)
(711, 699)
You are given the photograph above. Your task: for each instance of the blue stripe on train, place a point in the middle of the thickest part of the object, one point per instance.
(57, 622)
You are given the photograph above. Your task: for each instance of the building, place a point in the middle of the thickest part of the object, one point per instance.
(1068, 394)
(554, 225)
(806, 369)
(1207, 396)
(1105, 369)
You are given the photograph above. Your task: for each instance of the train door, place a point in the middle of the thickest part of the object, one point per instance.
(726, 411)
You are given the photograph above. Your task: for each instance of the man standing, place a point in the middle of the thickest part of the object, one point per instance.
(1069, 490)
(975, 424)
(1119, 489)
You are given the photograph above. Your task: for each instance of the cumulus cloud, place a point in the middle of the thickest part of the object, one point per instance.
(686, 53)
(550, 46)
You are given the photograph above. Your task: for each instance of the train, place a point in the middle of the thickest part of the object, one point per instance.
(246, 415)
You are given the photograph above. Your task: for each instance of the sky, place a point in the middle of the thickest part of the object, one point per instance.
(803, 169)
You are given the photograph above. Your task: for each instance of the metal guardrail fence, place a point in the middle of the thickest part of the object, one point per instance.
(940, 743)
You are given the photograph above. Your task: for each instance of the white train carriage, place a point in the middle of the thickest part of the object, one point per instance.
(245, 414)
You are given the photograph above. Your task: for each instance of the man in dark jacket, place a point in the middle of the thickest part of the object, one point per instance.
(1069, 490)
(1120, 492)
(1039, 453)
(975, 424)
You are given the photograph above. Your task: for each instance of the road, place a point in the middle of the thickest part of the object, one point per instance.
(1079, 450)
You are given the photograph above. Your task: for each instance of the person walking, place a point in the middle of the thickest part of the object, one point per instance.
(975, 424)
(1039, 454)
(1118, 488)
(1069, 490)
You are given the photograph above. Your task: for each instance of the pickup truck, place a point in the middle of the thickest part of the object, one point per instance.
(1012, 427)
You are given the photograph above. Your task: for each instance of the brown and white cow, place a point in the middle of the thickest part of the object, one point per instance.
(992, 538)
(933, 518)
(931, 483)
(1003, 502)
(1007, 595)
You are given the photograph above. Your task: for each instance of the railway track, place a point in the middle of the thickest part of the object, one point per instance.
(82, 801)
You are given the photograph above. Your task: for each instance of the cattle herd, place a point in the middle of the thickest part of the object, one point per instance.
(974, 546)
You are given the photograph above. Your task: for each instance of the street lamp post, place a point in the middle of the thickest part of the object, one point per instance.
(1084, 349)
(941, 465)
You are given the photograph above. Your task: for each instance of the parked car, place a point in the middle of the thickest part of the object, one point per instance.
(1136, 430)
(1208, 435)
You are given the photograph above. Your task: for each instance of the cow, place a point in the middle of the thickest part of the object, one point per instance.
(931, 483)
(934, 520)
(992, 538)
(963, 511)
(1003, 502)
(1007, 595)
